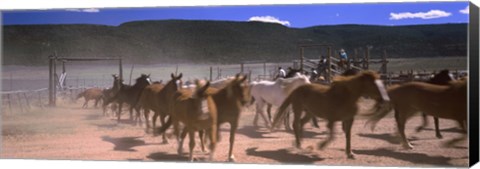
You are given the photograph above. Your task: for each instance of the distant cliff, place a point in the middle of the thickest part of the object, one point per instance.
(170, 41)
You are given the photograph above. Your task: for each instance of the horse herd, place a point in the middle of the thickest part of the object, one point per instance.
(203, 106)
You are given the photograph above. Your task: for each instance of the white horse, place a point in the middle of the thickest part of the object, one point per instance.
(273, 92)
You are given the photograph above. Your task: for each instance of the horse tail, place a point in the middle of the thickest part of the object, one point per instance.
(80, 95)
(281, 111)
(380, 110)
(161, 130)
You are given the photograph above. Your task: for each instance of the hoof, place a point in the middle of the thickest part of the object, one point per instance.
(351, 156)
(321, 146)
(407, 146)
(419, 129)
(439, 136)
(231, 159)
(165, 141)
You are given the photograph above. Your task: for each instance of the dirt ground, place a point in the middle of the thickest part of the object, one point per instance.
(70, 132)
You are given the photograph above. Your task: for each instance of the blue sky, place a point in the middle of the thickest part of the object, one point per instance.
(297, 16)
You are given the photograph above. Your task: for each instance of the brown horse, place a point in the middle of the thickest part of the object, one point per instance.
(158, 97)
(148, 100)
(91, 94)
(197, 111)
(337, 102)
(229, 102)
(111, 92)
(449, 102)
(442, 78)
(130, 94)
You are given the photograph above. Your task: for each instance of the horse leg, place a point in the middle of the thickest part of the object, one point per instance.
(315, 122)
(146, 113)
(347, 128)
(286, 121)
(424, 123)
(401, 119)
(259, 108)
(162, 121)
(297, 126)
(180, 142)
(437, 128)
(201, 135)
(213, 140)
(85, 104)
(131, 114)
(119, 112)
(96, 103)
(330, 127)
(269, 112)
(233, 129)
(462, 125)
(191, 135)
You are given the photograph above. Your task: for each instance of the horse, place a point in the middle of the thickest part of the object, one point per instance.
(229, 102)
(442, 101)
(148, 101)
(337, 102)
(273, 93)
(95, 94)
(442, 78)
(130, 94)
(188, 108)
(111, 92)
(158, 99)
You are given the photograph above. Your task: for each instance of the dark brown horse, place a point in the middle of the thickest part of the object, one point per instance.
(111, 92)
(130, 94)
(442, 78)
(337, 102)
(442, 101)
(91, 94)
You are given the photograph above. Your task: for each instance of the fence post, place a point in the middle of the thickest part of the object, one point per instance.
(241, 67)
(329, 65)
(9, 103)
(26, 100)
(20, 102)
(211, 73)
(51, 82)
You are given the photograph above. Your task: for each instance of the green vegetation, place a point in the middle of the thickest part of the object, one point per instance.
(178, 41)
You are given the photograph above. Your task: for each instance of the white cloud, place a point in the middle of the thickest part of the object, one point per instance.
(465, 11)
(89, 10)
(432, 14)
(269, 19)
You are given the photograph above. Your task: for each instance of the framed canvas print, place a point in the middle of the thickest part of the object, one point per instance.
(288, 84)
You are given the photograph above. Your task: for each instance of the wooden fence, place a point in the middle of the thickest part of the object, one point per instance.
(23, 101)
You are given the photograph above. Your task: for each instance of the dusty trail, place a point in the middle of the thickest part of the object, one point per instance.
(70, 132)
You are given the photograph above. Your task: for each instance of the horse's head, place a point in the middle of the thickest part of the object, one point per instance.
(143, 80)
(442, 78)
(197, 100)
(372, 86)
(174, 84)
(239, 89)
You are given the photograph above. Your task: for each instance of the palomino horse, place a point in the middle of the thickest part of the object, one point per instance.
(91, 94)
(274, 93)
(188, 109)
(442, 78)
(130, 94)
(443, 101)
(111, 92)
(158, 98)
(337, 102)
